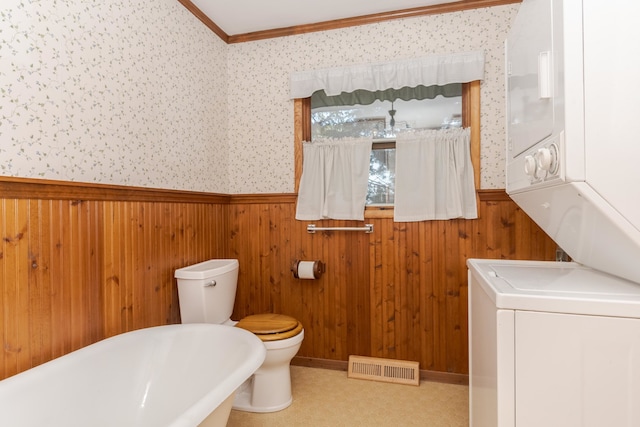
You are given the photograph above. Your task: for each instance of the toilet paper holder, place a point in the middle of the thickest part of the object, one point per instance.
(314, 273)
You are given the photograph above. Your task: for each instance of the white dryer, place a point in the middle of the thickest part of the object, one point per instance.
(573, 127)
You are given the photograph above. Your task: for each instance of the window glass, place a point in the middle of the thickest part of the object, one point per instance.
(380, 117)
(382, 176)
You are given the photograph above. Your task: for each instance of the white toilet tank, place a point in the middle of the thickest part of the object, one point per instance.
(207, 291)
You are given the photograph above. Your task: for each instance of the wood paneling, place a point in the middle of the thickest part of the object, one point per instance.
(400, 292)
(267, 239)
(73, 271)
(49, 268)
(143, 244)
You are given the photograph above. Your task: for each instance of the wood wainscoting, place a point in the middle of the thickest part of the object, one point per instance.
(399, 292)
(79, 263)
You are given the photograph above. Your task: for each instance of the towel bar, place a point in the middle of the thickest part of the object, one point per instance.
(368, 228)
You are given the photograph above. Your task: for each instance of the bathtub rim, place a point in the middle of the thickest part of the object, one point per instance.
(200, 408)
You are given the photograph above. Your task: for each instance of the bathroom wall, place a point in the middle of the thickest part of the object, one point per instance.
(130, 92)
(142, 94)
(79, 263)
(121, 92)
(261, 113)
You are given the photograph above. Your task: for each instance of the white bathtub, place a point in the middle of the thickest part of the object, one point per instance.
(176, 375)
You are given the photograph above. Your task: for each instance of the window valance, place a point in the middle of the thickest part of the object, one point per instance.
(429, 70)
(365, 97)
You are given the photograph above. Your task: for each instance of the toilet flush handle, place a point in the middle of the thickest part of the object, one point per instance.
(210, 284)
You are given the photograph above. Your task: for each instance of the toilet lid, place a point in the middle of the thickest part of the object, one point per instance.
(271, 327)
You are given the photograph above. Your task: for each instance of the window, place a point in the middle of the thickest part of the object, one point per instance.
(382, 174)
(469, 106)
(382, 114)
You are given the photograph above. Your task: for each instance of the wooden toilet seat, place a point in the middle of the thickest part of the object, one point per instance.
(271, 327)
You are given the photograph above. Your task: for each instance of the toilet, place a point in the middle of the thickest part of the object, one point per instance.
(207, 293)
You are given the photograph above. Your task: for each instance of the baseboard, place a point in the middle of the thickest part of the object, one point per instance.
(343, 365)
(312, 362)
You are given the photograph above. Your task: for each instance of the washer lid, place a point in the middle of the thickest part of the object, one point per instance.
(559, 287)
(564, 278)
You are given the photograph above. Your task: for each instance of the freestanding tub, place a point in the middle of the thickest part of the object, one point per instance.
(176, 375)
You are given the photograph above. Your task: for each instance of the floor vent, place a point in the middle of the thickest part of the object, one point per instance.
(387, 370)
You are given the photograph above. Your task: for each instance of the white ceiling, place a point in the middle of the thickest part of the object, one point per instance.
(246, 16)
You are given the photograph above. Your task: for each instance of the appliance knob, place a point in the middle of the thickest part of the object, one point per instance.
(530, 165)
(544, 159)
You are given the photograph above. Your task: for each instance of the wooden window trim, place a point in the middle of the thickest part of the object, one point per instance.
(470, 118)
(302, 132)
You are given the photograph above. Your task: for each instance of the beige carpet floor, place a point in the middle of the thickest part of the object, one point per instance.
(327, 398)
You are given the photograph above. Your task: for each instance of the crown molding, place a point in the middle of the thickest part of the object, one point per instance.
(205, 20)
(343, 23)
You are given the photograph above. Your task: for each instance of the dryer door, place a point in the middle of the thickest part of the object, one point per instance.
(529, 58)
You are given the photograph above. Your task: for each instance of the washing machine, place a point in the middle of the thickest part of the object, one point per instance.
(552, 344)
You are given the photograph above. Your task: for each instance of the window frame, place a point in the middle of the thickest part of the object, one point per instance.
(470, 118)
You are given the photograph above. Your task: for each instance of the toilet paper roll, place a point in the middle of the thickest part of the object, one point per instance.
(308, 269)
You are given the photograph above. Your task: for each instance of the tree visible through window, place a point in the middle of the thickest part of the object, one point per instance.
(382, 176)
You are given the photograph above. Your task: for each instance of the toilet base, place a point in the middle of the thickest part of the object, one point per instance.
(257, 394)
(269, 388)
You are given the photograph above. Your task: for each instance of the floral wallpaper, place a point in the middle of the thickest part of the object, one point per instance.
(261, 113)
(128, 92)
(141, 93)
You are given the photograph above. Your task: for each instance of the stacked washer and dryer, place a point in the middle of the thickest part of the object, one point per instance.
(558, 343)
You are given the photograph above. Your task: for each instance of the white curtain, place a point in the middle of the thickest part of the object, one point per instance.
(434, 176)
(427, 71)
(335, 175)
